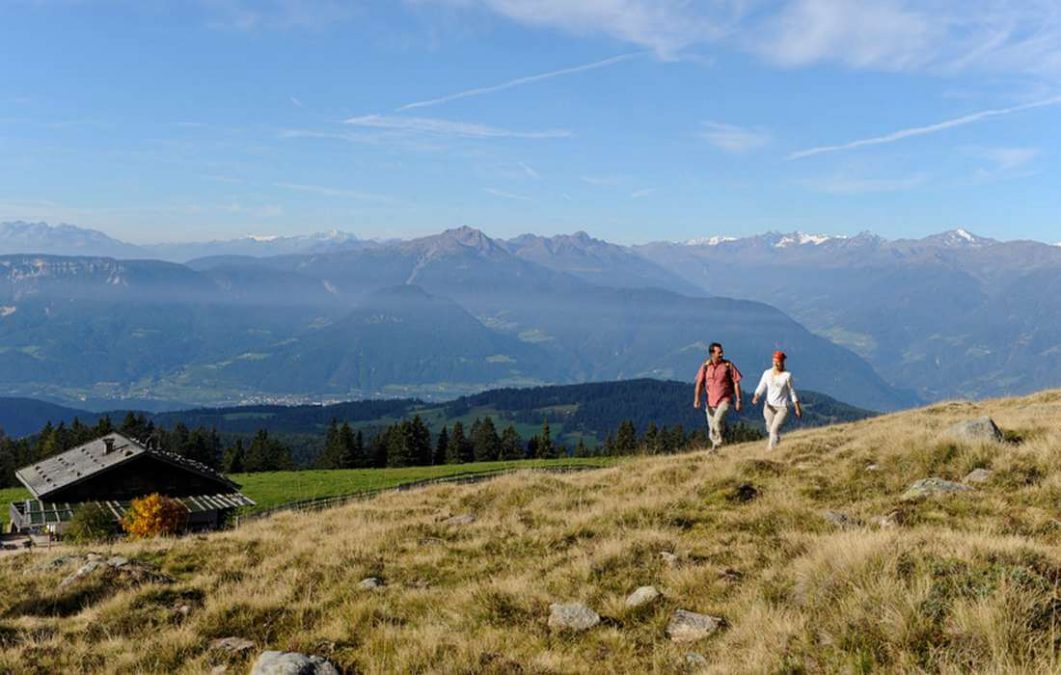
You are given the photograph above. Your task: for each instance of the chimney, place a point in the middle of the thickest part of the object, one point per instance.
(109, 442)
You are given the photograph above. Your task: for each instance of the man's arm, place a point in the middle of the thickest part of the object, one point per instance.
(699, 385)
(734, 372)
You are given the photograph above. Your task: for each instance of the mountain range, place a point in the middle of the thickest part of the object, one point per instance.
(328, 316)
(434, 317)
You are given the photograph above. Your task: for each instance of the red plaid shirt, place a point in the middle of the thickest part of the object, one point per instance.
(720, 382)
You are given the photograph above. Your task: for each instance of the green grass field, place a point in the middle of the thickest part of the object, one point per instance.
(273, 488)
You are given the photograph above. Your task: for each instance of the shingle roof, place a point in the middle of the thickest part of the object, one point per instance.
(77, 464)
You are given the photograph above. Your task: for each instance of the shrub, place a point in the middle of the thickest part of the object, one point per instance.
(91, 522)
(154, 515)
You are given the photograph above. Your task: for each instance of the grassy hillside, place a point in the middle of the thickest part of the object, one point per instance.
(962, 583)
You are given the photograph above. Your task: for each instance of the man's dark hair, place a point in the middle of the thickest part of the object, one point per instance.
(714, 345)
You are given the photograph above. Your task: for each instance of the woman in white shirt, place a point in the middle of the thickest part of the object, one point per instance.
(777, 384)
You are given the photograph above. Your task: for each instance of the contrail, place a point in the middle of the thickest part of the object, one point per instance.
(922, 131)
(520, 81)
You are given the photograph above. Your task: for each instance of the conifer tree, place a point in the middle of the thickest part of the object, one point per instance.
(456, 452)
(234, 458)
(545, 448)
(625, 438)
(511, 444)
(441, 447)
(486, 443)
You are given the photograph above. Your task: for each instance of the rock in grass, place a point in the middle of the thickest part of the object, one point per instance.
(464, 519)
(572, 616)
(686, 626)
(642, 596)
(669, 559)
(933, 486)
(979, 429)
(291, 663)
(887, 521)
(236, 646)
(745, 492)
(977, 476)
(370, 584)
(695, 661)
(841, 520)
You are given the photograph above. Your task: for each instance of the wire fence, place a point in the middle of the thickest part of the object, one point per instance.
(323, 503)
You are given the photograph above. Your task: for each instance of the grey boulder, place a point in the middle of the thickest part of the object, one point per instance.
(977, 430)
(291, 663)
(686, 626)
(572, 616)
(933, 486)
(642, 596)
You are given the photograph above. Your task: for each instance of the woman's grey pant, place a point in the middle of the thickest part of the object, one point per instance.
(775, 418)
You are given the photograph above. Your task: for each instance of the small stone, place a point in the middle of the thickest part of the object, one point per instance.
(184, 610)
(872, 467)
(371, 583)
(669, 558)
(236, 646)
(572, 616)
(980, 429)
(92, 557)
(219, 670)
(686, 626)
(977, 476)
(695, 661)
(642, 596)
(464, 519)
(118, 561)
(933, 486)
(887, 521)
(841, 520)
(82, 572)
(291, 663)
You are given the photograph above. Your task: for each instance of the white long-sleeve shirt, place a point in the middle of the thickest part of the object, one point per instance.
(778, 388)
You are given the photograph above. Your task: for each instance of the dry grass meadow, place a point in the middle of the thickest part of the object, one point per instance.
(961, 583)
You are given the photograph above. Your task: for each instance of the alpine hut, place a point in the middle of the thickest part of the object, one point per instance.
(112, 471)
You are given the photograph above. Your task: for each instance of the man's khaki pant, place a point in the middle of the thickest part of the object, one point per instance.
(775, 418)
(716, 422)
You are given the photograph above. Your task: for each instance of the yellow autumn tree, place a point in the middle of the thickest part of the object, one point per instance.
(154, 515)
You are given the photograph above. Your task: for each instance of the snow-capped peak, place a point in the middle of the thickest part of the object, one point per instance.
(802, 239)
(709, 241)
(262, 237)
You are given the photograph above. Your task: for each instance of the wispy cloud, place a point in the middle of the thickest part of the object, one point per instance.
(439, 127)
(644, 192)
(734, 139)
(855, 185)
(335, 192)
(903, 134)
(1005, 158)
(664, 26)
(529, 171)
(602, 181)
(520, 81)
(997, 36)
(506, 195)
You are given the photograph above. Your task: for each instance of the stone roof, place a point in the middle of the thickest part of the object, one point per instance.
(81, 463)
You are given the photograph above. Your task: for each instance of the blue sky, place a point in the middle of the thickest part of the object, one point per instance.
(635, 120)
